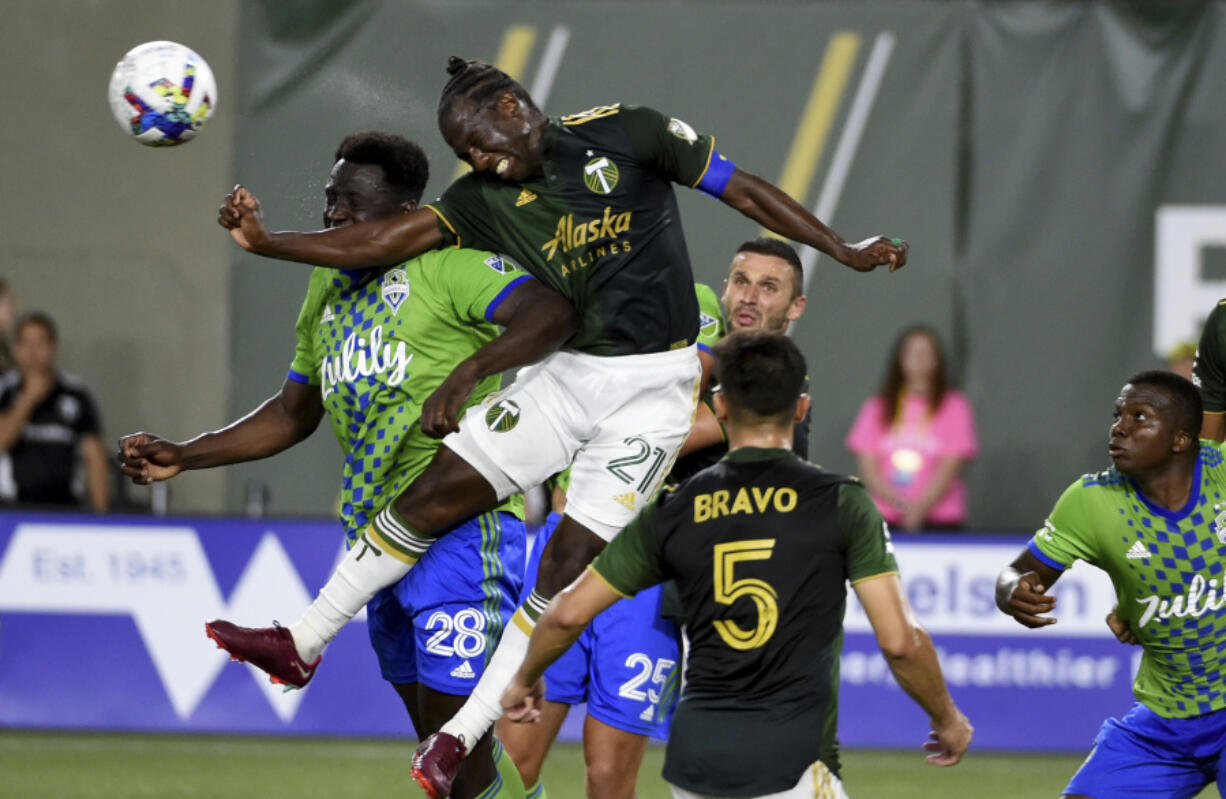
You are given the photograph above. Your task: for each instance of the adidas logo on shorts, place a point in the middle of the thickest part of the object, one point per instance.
(1137, 551)
(464, 671)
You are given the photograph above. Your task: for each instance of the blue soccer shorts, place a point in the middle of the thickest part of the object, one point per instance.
(625, 665)
(1144, 754)
(440, 624)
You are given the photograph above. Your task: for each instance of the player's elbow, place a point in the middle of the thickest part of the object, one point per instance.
(901, 641)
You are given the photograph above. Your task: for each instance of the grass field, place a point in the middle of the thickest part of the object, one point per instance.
(37, 765)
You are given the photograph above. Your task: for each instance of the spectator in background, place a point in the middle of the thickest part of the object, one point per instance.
(49, 426)
(1181, 359)
(913, 437)
(8, 312)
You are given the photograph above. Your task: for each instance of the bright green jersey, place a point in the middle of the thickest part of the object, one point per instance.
(1167, 568)
(378, 343)
(711, 326)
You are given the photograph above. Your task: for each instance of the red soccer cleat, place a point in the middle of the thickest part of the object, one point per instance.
(270, 649)
(436, 762)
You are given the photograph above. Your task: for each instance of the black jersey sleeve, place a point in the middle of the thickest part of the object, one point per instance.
(461, 211)
(631, 562)
(867, 549)
(1209, 370)
(669, 146)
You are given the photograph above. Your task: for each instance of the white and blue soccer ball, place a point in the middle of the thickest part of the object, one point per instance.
(162, 93)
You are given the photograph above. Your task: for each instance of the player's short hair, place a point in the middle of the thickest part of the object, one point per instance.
(405, 167)
(1185, 399)
(478, 83)
(778, 248)
(759, 372)
(37, 318)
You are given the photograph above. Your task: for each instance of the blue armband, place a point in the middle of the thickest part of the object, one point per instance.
(716, 178)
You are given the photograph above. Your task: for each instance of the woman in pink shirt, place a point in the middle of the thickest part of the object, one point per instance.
(912, 438)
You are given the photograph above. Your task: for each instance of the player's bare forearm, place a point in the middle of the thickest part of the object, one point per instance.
(277, 424)
(706, 431)
(538, 321)
(563, 621)
(772, 208)
(918, 672)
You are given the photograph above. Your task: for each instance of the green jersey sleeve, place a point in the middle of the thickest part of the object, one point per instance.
(1209, 371)
(305, 366)
(631, 562)
(671, 147)
(475, 281)
(1068, 535)
(867, 549)
(710, 317)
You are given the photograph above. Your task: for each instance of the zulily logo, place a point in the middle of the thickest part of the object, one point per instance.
(360, 358)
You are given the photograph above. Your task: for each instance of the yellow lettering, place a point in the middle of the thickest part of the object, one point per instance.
(785, 500)
(702, 508)
(622, 222)
(625, 246)
(580, 235)
(741, 503)
(762, 498)
(601, 252)
(607, 223)
(719, 504)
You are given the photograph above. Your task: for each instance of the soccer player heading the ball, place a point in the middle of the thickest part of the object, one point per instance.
(585, 203)
(756, 716)
(1155, 522)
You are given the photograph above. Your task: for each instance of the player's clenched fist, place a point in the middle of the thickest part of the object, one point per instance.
(867, 255)
(242, 216)
(1024, 597)
(147, 458)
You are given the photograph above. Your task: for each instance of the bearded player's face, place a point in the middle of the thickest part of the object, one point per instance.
(358, 193)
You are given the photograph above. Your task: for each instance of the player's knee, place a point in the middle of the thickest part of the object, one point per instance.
(606, 779)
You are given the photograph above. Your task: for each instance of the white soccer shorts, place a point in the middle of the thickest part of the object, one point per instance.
(617, 421)
(817, 782)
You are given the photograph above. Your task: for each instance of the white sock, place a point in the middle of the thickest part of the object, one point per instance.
(484, 706)
(384, 553)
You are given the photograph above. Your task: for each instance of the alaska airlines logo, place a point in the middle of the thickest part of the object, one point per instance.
(571, 235)
(1196, 603)
(360, 358)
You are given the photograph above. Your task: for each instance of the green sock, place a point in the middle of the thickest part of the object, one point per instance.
(508, 784)
(537, 791)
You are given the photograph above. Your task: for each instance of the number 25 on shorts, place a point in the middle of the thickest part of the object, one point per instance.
(728, 590)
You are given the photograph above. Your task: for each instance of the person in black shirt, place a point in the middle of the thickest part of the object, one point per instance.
(761, 545)
(48, 426)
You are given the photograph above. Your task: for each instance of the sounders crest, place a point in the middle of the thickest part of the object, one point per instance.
(395, 288)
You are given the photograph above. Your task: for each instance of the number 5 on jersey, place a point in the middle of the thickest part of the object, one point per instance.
(728, 590)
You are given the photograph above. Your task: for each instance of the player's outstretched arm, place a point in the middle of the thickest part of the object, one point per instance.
(537, 321)
(363, 245)
(280, 422)
(1021, 590)
(913, 661)
(775, 210)
(560, 625)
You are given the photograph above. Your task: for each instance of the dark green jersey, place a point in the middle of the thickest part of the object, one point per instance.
(1209, 373)
(598, 223)
(760, 545)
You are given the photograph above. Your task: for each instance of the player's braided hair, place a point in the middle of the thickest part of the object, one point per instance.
(404, 163)
(760, 372)
(478, 83)
(1186, 407)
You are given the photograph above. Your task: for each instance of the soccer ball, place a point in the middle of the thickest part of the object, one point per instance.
(162, 93)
